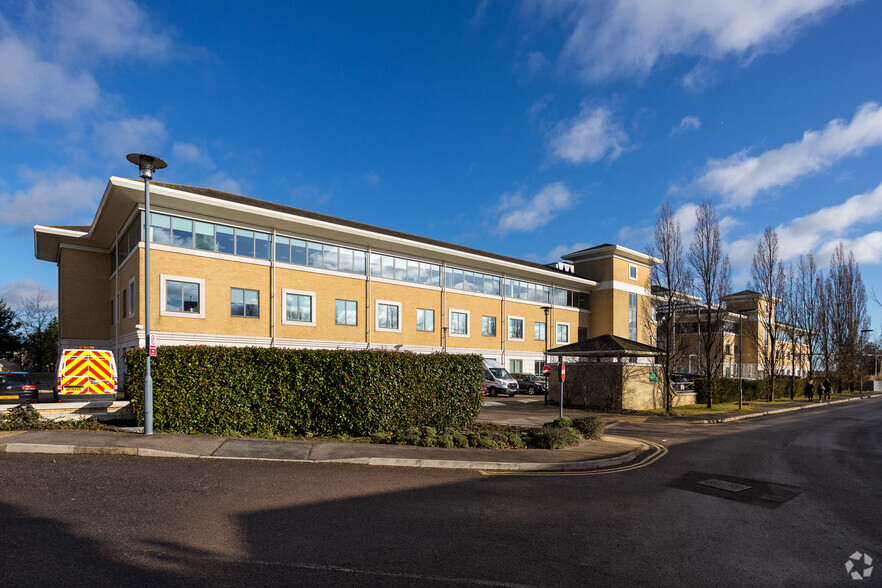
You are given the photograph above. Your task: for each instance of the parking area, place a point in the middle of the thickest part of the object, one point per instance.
(524, 411)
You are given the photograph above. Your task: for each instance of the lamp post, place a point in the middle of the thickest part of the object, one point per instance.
(147, 164)
(545, 309)
(861, 362)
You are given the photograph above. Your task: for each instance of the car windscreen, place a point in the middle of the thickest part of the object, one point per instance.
(501, 373)
(13, 379)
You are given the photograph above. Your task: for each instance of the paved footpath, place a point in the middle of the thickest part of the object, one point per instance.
(610, 452)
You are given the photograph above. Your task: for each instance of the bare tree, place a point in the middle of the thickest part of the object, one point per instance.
(807, 306)
(824, 337)
(787, 315)
(39, 326)
(847, 307)
(713, 281)
(768, 276)
(670, 279)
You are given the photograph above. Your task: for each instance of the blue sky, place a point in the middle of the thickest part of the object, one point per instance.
(526, 128)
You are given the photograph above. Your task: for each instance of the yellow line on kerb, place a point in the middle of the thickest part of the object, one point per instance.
(659, 452)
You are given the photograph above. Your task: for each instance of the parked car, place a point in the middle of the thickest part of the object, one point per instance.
(530, 384)
(17, 386)
(497, 380)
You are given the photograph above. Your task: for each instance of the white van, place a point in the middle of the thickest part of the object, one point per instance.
(497, 380)
(86, 374)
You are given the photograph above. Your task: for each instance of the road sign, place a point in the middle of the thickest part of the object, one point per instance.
(653, 377)
(563, 372)
(152, 349)
(546, 371)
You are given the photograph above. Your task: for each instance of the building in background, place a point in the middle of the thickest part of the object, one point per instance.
(232, 270)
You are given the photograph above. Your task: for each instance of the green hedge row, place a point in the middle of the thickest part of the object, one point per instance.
(290, 392)
(726, 389)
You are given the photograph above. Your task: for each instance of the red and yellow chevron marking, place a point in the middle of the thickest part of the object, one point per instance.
(87, 371)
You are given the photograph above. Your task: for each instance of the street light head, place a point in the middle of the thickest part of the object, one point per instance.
(146, 164)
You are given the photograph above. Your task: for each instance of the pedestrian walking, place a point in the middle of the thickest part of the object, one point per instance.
(809, 390)
(828, 389)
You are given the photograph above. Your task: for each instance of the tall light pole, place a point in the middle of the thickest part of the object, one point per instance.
(861, 363)
(147, 164)
(545, 309)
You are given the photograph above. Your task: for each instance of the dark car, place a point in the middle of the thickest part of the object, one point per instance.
(530, 384)
(17, 386)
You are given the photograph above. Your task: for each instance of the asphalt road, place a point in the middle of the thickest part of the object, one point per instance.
(802, 494)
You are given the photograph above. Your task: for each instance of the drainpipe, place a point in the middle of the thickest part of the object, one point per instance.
(443, 306)
(272, 299)
(367, 310)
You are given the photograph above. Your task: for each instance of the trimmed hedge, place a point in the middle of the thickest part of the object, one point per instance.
(726, 389)
(291, 392)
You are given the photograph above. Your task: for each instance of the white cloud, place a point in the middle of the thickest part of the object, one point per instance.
(372, 178)
(143, 134)
(643, 236)
(739, 178)
(189, 153)
(220, 181)
(867, 248)
(620, 38)
(589, 137)
(556, 252)
(536, 63)
(53, 197)
(518, 213)
(34, 91)
(687, 123)
(14, 293)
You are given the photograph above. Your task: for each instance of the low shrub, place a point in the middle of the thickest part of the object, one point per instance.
(591, 427)
(460, 440)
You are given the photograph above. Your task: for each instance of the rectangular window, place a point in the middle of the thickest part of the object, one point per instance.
(261, 246)
(283, 249)
(539, 331)
(330, 257)
(244, 243)
(537, 368)
(298, 251)
(632, 316)
(459, 323)
(516, 328)
(358, 262)
(133, 304)
(314, 254)
(582, 333)
(204, 236)
(125, 306)
(632, 272)
(515, 366)
(413, 271)
(387, 316)
(488, 326)
(388, 267)
(400, 268)
(181, 296)
(346, 312)
(345, 259)
(182, 232)
(563, 333)
(244, 302)
(160, 228)
(298, 307)
(224, 239)
(425, 319)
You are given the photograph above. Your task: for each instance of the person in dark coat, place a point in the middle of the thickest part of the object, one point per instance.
(828, 389)
(809, 390)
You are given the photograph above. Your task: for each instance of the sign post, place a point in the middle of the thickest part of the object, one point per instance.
(563, 377)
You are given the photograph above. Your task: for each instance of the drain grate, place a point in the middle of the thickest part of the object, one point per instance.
(756, 492)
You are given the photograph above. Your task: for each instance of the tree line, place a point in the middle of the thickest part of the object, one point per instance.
(29, 334)
(806, 316)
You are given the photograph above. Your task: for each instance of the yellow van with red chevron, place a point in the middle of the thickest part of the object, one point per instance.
(85, 374)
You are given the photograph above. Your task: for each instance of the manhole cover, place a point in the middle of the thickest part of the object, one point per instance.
(756, 492)
(724, 485)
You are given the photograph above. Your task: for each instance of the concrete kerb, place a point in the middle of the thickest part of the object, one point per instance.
(753, 415)
(591, 464)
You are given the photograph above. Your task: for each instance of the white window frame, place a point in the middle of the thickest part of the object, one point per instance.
(132, 298)
(556, 325)
(508, 327)
(432, 310)
(545, 325)
(495, 325)
(377, 326)
(632, 272)
(468, 314)
(164, 278)
(285, 320)
(355, 324)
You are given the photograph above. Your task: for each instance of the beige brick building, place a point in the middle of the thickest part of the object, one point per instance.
(231, 270)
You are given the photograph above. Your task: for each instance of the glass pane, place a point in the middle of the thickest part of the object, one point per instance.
(330, 261)
(468, 281)
(237, 302)
(436, 275)
(413, 271)
(190, 293)
(244, 243)
(315, 254)
(393, 317)
(283, 249)
(204, 236)
(425, 273)
(457, 279)
(160, 228)
(388, 266)
(345, 259)
(376, 266)
(340, 312)
(291, 307)
(479, 282)
(298, 251)
(224, 239)
(182, 232)
(383, 316)
(173, 296)
(421, 319)
(448, 277)
(261, 245)
(305, 307)
(252, 303)
(400, 269)
(507, 288)
(351, 312)
(358, 262)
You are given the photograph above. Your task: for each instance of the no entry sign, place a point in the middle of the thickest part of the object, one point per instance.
(546, 371)
(563, 372)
